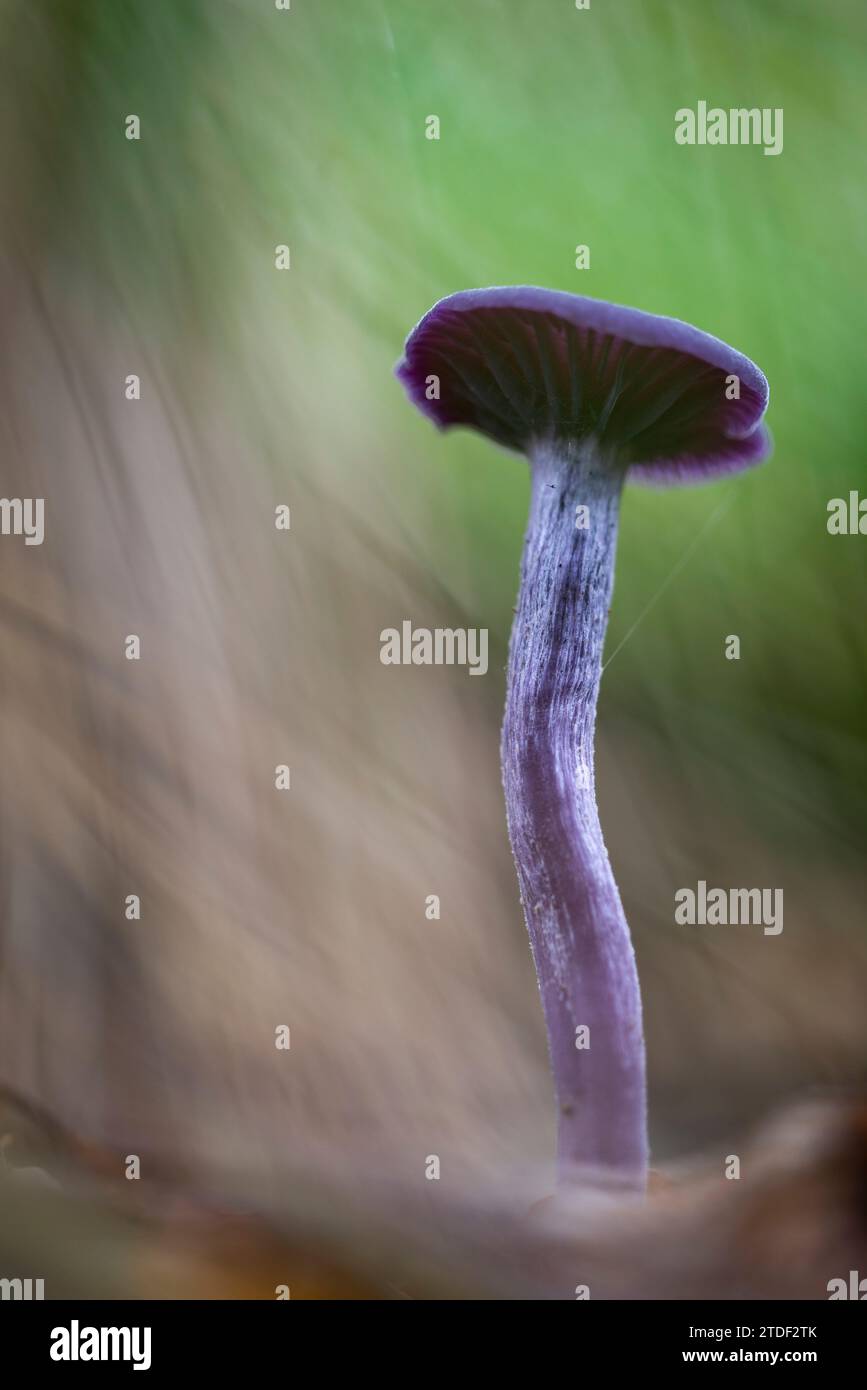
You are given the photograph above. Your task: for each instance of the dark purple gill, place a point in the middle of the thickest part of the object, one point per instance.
(523, 365)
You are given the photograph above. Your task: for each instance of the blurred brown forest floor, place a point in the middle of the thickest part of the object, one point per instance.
(795, 1221)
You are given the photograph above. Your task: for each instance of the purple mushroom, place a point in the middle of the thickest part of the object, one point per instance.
(590, 393)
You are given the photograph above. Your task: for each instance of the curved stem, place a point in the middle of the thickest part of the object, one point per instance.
(579, 935)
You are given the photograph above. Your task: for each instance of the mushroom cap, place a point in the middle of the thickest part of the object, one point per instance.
(524, 365)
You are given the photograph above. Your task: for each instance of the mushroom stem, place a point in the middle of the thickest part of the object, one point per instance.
(579, 935)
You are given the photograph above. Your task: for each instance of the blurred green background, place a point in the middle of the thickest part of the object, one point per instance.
(307, 128)
(557, 128)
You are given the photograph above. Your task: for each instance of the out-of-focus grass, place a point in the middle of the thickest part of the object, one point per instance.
(557, 128)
